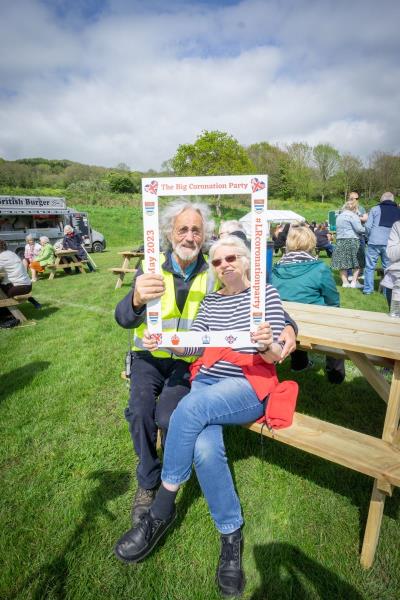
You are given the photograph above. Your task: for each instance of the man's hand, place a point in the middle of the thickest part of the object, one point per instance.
(147, 287)
(289, 337)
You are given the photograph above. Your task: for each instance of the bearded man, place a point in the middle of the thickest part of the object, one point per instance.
(160, 379)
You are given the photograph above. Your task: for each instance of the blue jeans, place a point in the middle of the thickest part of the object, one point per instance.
(371, 259)
(195, 435)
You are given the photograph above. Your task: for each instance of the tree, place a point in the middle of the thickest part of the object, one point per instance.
(272, 161)
(386, 168)
(123, 183)
(350, 173)
(213, 153)
(326, 159)
(123, 167)
(298, 172)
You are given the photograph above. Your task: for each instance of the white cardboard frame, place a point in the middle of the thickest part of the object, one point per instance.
(257, 187)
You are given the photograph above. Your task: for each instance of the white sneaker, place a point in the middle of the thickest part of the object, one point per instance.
(346, 284)
(355, 284)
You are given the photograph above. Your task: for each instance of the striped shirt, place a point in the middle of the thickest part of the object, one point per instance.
(219, 313)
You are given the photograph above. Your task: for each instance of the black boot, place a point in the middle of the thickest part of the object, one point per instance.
(141, 503)
(230, 576)
(139, 541)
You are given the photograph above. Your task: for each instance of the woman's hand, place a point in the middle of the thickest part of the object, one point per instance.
(263, 337)
(149, 341)
(269, 350)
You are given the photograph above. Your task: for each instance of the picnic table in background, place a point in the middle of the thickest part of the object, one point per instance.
(369, 339)
(12, 303)
(61, 262)
(127, 255)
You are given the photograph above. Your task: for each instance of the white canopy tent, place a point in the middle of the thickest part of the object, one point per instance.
(273, 216)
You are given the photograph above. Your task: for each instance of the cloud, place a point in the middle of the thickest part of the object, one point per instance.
(118, 81)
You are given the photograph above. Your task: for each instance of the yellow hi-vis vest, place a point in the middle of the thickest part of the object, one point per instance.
(172, 319)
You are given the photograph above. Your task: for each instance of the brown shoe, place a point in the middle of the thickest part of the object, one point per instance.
(141, 503)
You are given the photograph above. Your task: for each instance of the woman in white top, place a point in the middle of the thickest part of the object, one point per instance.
(32, 249)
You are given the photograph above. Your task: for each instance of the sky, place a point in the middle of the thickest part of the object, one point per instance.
(104, 82)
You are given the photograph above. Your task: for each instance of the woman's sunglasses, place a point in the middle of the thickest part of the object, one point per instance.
(229, 259)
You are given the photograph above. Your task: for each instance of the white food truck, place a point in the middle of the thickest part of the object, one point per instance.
(43, 215)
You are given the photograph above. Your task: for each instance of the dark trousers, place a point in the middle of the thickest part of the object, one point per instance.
(157, 385)
(335, 368)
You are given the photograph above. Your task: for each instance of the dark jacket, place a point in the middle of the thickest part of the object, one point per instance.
(74, 242)
(128, 318)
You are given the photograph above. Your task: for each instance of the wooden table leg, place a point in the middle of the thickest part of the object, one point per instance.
(76, 260)
(125, 265)
(377, 504)
(372, 530)
(53, 271)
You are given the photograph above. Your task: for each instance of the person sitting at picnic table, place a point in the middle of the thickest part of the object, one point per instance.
(324, 239)
(301, 277)
(348, 253)
(31, 251)
(72, 240)
(45, 257)
(16, 281)
(224, 392)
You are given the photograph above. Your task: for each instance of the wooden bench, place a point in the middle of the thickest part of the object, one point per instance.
(12, 303)
(368, 339)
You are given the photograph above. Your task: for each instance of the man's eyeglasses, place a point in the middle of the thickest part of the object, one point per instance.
(185, 230)
(229, 259)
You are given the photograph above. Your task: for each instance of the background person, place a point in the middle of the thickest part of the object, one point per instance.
(73, 240)
(32, 249)
(45, 257)
(159, 379)
(347, 253)
(391, 280)
(323, 239)
(377, 228)
(223, 393)
(236, 228)
(16, 281)
(300, 277)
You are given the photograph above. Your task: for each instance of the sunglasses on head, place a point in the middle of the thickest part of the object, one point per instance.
(229, 259)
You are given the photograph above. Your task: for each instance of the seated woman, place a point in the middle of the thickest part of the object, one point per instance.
(300, 277)
(16, 281)
(45, 257)
(224, 392)
(73, 241)
(324, 239)
(32, 249)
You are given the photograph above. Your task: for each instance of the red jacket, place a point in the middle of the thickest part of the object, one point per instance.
(263, 379)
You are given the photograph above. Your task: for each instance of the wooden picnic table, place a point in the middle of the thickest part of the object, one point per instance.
(62, 262)
(127, 255)
(12, 303)
(368, 339)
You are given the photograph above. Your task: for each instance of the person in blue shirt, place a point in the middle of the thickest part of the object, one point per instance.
(377, 228)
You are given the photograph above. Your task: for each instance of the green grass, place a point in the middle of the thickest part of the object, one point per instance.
(67, 468)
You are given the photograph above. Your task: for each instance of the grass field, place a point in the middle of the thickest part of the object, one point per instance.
(67, 468)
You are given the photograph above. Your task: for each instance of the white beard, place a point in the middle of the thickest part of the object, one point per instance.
(186, 254)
